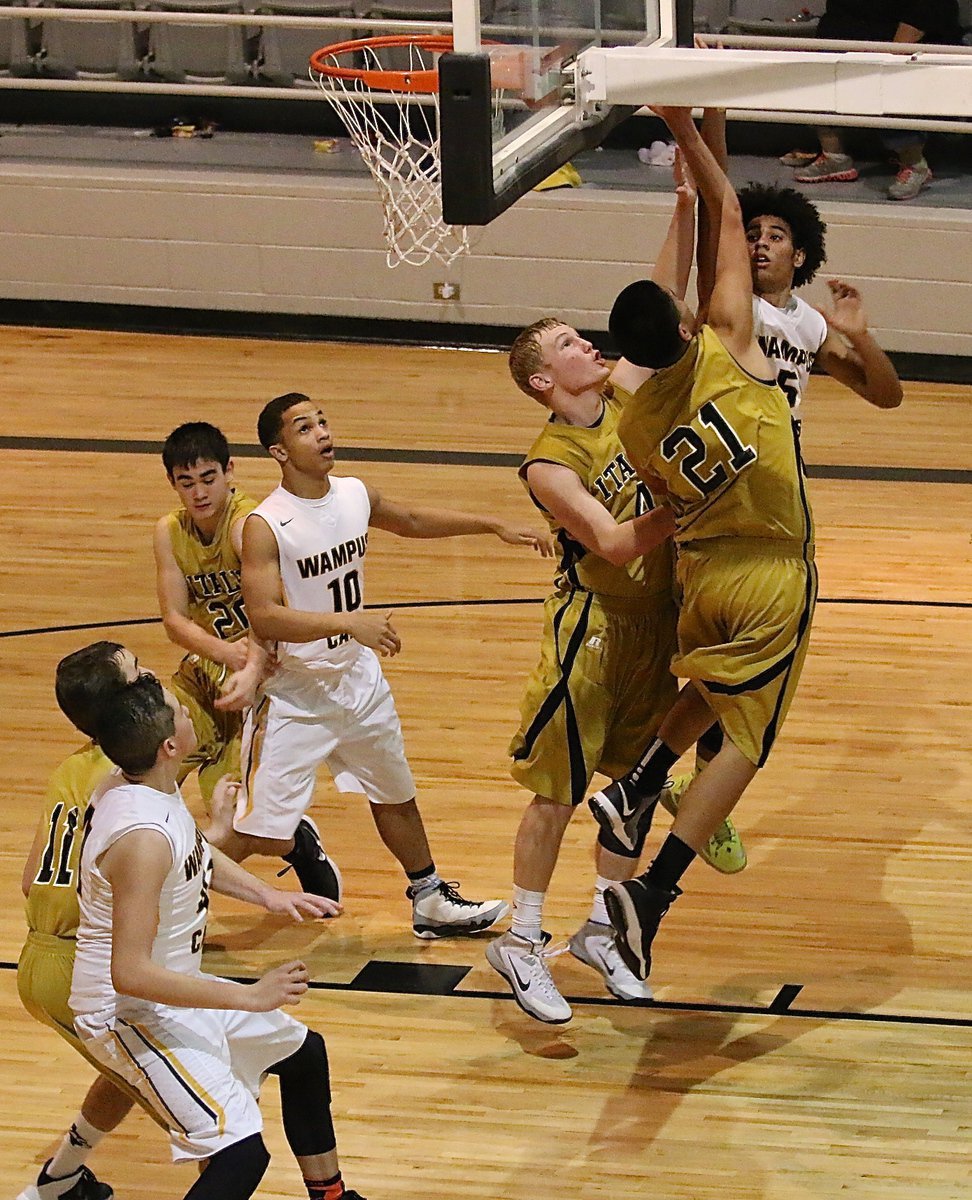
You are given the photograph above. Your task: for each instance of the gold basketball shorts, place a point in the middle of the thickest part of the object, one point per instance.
(44, 983)
(598, 694)
(196, 684)
(743, 632)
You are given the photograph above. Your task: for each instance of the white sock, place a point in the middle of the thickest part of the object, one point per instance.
(527, 913)
(73, 1151)
(599, 913)
(428, 883)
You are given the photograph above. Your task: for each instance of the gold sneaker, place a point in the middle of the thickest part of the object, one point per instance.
(725, 850)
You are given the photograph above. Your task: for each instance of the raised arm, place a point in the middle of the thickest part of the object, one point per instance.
(274, 621)
(731, 303)
(410, 521)
(851, 355)
(562, 494)
(714, 135)
(672, 266)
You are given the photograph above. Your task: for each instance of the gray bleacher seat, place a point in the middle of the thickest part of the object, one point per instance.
(582, 14)
(284, 52)
(197, 52)
(407, 10)
(87, 49)
(19, 44)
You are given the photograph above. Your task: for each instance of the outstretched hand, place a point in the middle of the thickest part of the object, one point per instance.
(375, 631)
(298, 905)
(846, 313)
(541, 542)
(673, 115)
(282, 985)
(239, 690)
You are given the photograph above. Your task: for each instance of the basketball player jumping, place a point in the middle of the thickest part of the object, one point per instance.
(714, 425)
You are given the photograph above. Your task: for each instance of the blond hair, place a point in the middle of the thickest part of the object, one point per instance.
(525, 356)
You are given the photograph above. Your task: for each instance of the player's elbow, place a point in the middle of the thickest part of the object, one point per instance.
(170, 623)
(261, 621)
(613, 549)
(128, 977)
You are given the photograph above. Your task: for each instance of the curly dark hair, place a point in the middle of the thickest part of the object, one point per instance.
(806, 227)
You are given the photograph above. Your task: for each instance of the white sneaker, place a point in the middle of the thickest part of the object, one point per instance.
(441, 912)
(594, 945)
(523, 964)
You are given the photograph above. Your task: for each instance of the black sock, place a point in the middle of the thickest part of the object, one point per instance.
(418, 876)
(671, 863)
(651, 770)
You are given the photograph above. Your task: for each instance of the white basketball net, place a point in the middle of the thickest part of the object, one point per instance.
(399, 143)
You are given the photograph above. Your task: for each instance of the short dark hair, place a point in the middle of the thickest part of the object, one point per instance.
(132, 724)
(83, 680)
(807, 229)
(644, 325)
(196, 441)
(270, 420)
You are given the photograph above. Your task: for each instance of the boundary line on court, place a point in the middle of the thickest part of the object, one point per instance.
(774, 1009)
(401, 604)
(465, 458)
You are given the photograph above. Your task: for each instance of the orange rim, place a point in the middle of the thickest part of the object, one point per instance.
(377, 79)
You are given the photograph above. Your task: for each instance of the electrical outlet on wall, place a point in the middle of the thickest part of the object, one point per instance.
(443, 290)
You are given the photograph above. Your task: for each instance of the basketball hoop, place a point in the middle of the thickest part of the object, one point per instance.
(392, 116)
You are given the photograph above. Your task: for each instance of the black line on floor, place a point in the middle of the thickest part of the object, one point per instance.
(785, 997)
(377, 984)
(464, 458)
(478, 603)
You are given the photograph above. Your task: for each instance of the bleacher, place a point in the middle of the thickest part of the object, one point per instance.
(258, 43)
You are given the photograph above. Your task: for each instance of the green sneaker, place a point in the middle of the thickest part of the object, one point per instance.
(725, 850)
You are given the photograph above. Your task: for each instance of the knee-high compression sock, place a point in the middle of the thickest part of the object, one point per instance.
(233, 1173)
(305, 1097)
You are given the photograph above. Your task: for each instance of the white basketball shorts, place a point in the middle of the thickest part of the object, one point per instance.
(199, 1069)
(354, 729)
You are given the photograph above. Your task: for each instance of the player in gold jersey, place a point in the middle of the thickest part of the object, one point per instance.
(715, 427)
(198, 548)
(50, 884)
(603, 683)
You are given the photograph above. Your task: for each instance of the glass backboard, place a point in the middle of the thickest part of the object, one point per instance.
(508, 113)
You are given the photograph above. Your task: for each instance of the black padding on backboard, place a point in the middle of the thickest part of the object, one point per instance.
(466, 137)
(466, 143)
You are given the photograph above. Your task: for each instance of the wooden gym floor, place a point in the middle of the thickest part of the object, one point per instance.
(813, 1030)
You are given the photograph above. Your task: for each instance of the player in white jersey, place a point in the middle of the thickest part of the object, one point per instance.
(328, 701)
(194, 1046)
(786, 239)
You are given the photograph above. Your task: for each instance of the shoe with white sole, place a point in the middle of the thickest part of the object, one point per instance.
(636, 908)
(523, 964)
(593, 944)
(619, 810)
(442, 912)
